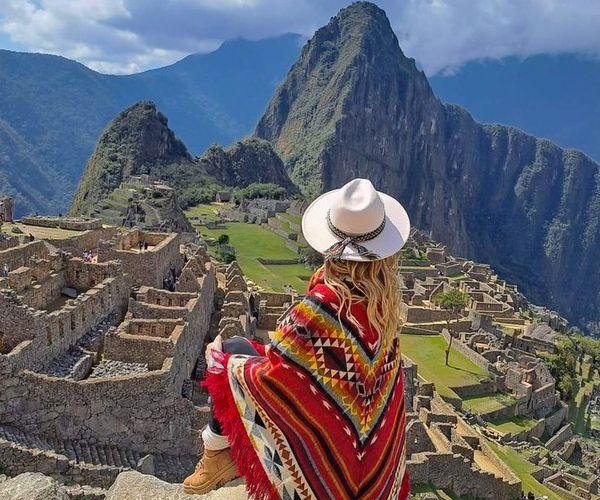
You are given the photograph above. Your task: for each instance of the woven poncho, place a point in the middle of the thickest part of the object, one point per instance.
(320, 414)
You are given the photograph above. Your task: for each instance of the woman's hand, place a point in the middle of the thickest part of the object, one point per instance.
(215, 345)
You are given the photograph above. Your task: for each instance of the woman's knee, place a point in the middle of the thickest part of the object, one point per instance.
(239, 345)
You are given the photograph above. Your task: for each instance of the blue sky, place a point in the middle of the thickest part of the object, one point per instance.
(126, 36)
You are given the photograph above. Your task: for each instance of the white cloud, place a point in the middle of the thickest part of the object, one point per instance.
(443, 34)
(124, 36)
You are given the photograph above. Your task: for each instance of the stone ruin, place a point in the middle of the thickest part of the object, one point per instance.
(98, 364)
(444, 451)
(69, 223)
(244, 310)
(255, 211)
(490, 332)
(97, 359)
(6, 209)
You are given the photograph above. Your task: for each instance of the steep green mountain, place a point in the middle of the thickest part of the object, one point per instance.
(139, 141)
(54, 109)
(354, 106)
(23, 176)
(552, 96)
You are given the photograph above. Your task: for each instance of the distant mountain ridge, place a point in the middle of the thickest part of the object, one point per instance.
(52, 110)
(354, 106)
(551, 96)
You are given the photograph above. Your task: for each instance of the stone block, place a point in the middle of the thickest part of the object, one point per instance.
(135, 486)
(32, 486)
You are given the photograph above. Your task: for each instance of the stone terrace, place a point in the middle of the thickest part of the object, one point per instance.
(159, 263)
(93, 371)
(445, 452)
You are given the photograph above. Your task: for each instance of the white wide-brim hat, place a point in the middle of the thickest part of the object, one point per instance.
(356, 222)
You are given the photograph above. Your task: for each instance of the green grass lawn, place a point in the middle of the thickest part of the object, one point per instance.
(252, 241)
(295, 219)
(513, 425)
(427, 351)
(487, 403)
(206, 210)
(523, 469)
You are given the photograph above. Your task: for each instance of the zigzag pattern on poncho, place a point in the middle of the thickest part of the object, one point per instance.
(321, 415)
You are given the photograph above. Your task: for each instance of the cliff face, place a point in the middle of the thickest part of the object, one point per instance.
(248, 161)
(354, 105)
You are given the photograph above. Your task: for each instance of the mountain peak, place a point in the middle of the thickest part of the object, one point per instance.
(354, 106)
(138, 141)
(351, 70)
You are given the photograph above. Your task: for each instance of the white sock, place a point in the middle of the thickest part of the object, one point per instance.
(214, 441)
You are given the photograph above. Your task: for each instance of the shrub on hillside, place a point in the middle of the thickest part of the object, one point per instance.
(225, 254)
(263, 190)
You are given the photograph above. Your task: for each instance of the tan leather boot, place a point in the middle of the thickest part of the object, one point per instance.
(214, 470)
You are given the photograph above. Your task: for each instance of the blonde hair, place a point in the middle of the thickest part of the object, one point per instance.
(374, 283)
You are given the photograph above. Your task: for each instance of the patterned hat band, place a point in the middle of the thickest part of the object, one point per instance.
(336, 250)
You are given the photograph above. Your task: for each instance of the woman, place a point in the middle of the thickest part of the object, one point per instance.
(319, 413)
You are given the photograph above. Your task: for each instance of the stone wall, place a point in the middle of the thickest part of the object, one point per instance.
(466, 351)
(556, 419)
(86, 241)
(138, 411)
(151, 345)
(453, 472)
(16, 257)
(55, 332)
(467, 391)
(148, 267)
(70, 223)
(417, 314)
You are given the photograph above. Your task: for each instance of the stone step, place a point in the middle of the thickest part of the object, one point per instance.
(78, 451)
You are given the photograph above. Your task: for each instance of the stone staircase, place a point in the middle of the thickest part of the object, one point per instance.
(76, 451)
(86, 469)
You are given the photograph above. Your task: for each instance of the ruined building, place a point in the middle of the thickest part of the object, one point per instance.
(96, 357)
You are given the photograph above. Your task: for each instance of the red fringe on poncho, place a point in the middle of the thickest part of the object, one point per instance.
(320, 413)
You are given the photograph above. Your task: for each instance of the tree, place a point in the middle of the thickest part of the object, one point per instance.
(591, 347)
(225, 254)
(223, 239)
(453, 301)
(563, 367)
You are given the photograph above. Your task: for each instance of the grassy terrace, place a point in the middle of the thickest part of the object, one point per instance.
(295, 219)
(488, 403)
(48, 233)
(513, 425)
(252, 241)
(208, 211)
(523, 469)
(427, 351)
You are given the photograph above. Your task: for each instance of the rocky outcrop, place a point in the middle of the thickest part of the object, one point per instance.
(251, 160)
(32, 486)
(139, 142)
(133, 485)
(354, 106)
